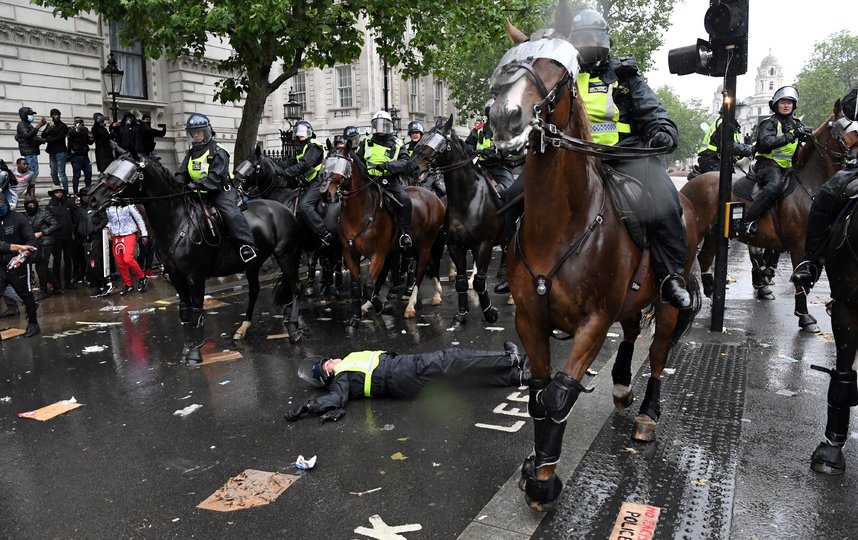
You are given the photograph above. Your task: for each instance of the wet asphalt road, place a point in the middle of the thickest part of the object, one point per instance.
(124, 466)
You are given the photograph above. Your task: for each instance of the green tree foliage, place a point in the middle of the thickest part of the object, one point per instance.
(688, 117)
(829, 75)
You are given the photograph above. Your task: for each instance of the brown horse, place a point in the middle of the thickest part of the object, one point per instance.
(573, 265)
(782, 228)
(367, 229)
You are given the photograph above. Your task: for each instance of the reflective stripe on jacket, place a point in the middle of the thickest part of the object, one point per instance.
(603, 113)
(783, 155)
(376, 154)
(311, 174)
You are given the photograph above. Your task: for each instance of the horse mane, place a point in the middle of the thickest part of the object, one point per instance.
(171, 178)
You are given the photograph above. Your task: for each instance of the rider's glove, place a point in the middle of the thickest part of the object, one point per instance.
(296, 412)
(803, 133)
(382, 167)
(789, 137)
(332, 416)
(662, 140)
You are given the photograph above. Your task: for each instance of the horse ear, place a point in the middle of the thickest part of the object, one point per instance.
(328, 144)
(563, 19)
(516, 35)
(838, 108)
(258, 150)
(449, 124)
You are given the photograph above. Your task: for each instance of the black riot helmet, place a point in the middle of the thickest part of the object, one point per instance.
(590, 36)
(415, 127)
(199, 123)
(351, 133)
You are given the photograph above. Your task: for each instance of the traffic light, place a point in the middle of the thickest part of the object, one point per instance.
(726, 52)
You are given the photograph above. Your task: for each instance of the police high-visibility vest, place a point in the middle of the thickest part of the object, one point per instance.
(362, 362)
(783, 155)
(708, 143)
(483, 142)
(376, 154)
(604, 116)
(199, 167)
(310, 175)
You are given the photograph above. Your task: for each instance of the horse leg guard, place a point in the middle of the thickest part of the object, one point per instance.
(842, 394)
(548, 442)
(621, 374)
(708, 280)
(489, 311)
(462, 290)
(645, 422)
(194, 332)
(185, 320)
(806, 321)
(356, 302)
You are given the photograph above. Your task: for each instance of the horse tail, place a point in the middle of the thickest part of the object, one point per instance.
(687, 316)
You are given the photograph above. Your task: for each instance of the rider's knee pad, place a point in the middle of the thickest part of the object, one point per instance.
(536, 409)
(461, 284)
(480, 283)
(842, 391)
(560, 395)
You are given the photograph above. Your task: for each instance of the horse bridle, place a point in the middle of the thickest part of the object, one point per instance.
(439, 144)
(125, 172)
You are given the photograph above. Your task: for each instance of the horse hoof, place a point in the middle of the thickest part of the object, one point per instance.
(828, 459)
(528, 470)
(459, 319)
(541, 495)
(491, 315)
(645, 428)
(510, 301)
(436, 301)
(764, 293)
(625, 401)
(410, 313)
(294, 336)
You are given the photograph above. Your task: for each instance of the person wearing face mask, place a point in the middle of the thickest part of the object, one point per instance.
(27, 136)
(8, 184)
(44, 226)
(103, 142)
(148, 135)
(55, 134)
(129, 135)
(16, 237)
(79, 140)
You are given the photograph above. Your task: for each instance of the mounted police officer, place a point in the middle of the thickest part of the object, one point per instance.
(386, 159)
(205, 170)
(305, 167)
(624, 111)
(830, 198)
(415, 133)
(709, 155)
(351, 133)
(777, 141)
(499, 166)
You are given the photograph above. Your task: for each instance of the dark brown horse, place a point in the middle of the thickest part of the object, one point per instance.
(782, 228)
(368, 230)
(573, 265)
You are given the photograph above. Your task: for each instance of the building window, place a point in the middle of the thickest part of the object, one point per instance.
(771, 85)
(762, 87)
(345, 87)
(413, 103)
(130, 60)
(439, 95)
(299, 86)
(772, 72)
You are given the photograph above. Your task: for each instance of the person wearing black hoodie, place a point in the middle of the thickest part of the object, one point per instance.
(44, 226)
(56, 134)
(27, 136)
(79, 141)
(148, 135)
(16, 237)
(65, 213)
(103, 142)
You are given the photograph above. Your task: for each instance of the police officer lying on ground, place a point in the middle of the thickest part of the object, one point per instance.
(387, 374)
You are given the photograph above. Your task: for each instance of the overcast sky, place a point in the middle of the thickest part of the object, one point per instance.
(791, 40)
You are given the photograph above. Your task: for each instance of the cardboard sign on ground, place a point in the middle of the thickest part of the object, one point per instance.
(248, 489)
(211, 303)
(9, 333)
(635, 522)
(55, 409)
(278, 336)
(221, 356)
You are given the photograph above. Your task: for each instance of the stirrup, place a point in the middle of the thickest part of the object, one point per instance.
(245, 256)
(405, 241)
(750, 228)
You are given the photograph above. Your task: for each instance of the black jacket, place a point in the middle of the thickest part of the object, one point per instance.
(218, 173)
(638, 105)
(44, 222)
(79, 142)
(129, 136)
(350, 385)
(148, 135)
(740, 149)
(14, 229)
(299, 167)
(103, 149)
(28, 138)
(55, 135)
(767, 133)
(65, 213)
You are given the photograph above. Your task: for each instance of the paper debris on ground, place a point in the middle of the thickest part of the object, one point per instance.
(55, 409)
(222, 356)
(113, 308)
(188, 410)
(99, 324)
(361, 493)
(94, 348)
(10, 333)
(5, 399)
(278, 336)
(494, 328)
(223, 383)
(785, 392)
(248, 489)
(788, 358)
(305, 464)
(141, 311)
(211, 303)
(398, 457)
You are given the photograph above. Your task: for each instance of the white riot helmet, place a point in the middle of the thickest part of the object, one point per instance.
(303, 129)
(382, 123)
(784, 92)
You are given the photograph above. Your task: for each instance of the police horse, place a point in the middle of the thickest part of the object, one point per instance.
(783, 226)
(572, 264)
(192, 249)
(472, 221)
(368, 230)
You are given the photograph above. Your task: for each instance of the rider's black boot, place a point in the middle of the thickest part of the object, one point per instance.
(673, 291)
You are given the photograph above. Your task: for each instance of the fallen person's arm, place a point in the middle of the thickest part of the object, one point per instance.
(330, 406)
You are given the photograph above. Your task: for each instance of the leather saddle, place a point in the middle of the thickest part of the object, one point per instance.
(747, 187)
(627, 195)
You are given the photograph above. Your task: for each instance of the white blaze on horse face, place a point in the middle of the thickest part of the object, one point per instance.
(512, 102)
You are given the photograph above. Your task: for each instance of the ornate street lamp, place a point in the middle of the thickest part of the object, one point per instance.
(292, 110)
(397, 121)
(112, 77)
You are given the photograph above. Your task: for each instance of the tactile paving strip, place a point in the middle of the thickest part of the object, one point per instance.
(689, 471)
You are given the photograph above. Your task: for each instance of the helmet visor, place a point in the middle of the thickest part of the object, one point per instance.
(199, 135)
(382, 125)
(415, 127)
(303, 130)
(590, 37)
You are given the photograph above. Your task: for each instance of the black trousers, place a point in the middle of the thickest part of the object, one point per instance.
(19, 279)
(771, 178)
(94, 252)
(403, 212)
(62, 252)
(662, 213)
(226, 202)
(409, 373)
(826, 206)
(307, 207)
(44, 271)
(146, 254)
(708, 162)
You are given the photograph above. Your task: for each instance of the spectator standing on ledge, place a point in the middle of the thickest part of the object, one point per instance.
(28, 139)
(26, 179)
(148, 134)
(55, 134)
(79, 140)
(103, 143)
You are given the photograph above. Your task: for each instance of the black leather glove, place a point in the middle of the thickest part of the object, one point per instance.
(662, 140)
(332, 416)
(296, 412)
(803, 133)
(789, 137)
(383, 167)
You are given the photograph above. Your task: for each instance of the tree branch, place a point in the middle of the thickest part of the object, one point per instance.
(287, 73)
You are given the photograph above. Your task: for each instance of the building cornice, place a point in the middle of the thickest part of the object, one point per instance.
(206, 66)
(14, 33)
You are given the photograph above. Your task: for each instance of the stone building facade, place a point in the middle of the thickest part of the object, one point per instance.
(755, 108)
(48, 62)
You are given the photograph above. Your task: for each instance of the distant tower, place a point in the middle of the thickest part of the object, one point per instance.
(770, 76)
